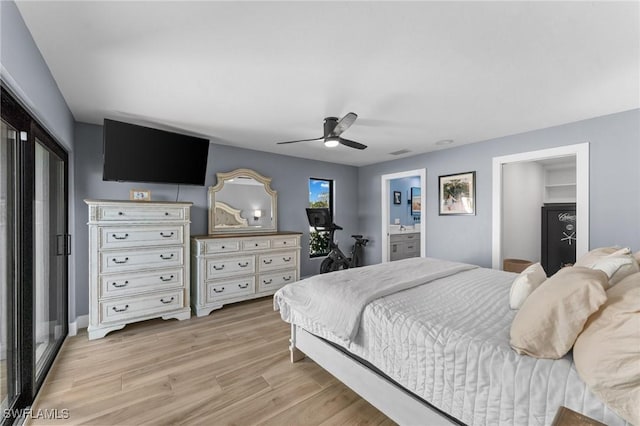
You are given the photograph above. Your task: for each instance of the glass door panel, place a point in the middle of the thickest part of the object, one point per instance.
(50, 249)
(8, 369)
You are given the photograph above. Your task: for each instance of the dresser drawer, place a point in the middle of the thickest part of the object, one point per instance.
(256, 244)
(136, 236)
(284, 242)
(275, 280)
(229, 266)
(412, 236)
(412, 248)
(137, 282)
(140, 212)
(221, 246)
(230, 288)
(124, 260)
(137, 306)
(285, 259)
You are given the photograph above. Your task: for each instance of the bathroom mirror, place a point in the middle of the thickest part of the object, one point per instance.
(242, 201)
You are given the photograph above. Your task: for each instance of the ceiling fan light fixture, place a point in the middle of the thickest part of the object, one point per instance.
(331, 142)
(444, 142)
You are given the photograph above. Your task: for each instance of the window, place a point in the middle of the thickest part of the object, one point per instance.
(320, 195)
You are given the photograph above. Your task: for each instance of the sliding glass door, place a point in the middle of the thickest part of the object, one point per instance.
(50, 257)
(8, 377)
(33, 256)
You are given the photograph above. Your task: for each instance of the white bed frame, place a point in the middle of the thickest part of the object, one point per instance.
(394, 401)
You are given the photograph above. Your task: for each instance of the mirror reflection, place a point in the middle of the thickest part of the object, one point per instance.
(242, 201)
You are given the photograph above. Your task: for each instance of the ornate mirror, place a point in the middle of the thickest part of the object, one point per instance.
(242, 201)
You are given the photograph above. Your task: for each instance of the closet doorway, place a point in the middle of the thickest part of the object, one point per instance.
(522, 184)
(406, 209)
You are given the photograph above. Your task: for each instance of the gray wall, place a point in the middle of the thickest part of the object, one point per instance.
(290, 177)
(614, 187)
(28, 77)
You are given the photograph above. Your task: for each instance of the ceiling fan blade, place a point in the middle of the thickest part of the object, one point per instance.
(344, 123)
(352, 144)
(301, 140)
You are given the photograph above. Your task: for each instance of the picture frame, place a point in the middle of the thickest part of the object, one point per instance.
(140, 195)
(416, 202)
(397, 197)
(457, 194)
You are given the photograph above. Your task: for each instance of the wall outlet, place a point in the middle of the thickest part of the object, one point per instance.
(396, 221)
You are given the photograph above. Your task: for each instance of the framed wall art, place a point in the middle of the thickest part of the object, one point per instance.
(397, 197)
(457, 194)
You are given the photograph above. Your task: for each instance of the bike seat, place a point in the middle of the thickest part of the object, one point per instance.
(357, 237)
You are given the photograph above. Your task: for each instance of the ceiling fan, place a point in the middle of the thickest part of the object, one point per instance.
(333, 128)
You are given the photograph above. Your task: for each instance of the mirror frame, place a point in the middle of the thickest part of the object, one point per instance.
(221, 179)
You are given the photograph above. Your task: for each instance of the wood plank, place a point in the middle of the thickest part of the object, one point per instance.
(230, 367)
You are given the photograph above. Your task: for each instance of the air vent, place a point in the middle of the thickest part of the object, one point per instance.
(402, 151)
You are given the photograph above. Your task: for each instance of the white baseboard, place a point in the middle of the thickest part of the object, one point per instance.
(81, 322)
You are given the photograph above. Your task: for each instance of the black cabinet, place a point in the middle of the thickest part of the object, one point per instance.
(558, 236)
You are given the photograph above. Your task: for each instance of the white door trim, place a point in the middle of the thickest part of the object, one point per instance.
(384, 209)
(581, 152)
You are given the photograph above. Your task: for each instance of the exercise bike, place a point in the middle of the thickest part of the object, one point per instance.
(320, 219)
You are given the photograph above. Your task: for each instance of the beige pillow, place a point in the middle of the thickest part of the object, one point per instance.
(607, 352)
(525, 283)
(550, 319)
(595, 255)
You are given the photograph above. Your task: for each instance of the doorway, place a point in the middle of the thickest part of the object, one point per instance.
(562, 175)
(387, 199)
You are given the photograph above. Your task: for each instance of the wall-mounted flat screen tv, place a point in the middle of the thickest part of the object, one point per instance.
(135, 153)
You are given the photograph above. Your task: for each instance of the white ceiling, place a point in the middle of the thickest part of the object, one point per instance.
(250, 74)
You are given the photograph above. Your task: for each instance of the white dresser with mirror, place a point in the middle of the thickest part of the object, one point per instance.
(243, 256)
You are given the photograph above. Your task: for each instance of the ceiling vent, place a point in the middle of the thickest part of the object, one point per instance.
(402, 151)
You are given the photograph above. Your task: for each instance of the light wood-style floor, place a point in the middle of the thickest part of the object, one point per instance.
(231, 367)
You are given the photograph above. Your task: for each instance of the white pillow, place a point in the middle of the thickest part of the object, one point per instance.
(525, 283)
(594, 256)
(610, 265)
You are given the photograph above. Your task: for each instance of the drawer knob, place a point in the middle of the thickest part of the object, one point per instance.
(120, 310)
(166, 279)
(222, 247)
(218, 291)
(287, 259)
(286, 278)
(166, 213)
(243, 265)
(267, 262)
(167, 301)
(256, 244)
(243, 286)
(267, 282)
(218, 268)
(163, 235)
(126, 259)
(116, 285)
(163, 257)
(123, 237)
(120, 214)
(284, 242)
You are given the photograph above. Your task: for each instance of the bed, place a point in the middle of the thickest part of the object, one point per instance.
(435, 348)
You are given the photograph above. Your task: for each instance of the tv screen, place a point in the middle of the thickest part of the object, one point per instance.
(135, 153)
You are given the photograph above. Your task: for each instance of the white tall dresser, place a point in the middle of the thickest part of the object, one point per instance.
(138, 263)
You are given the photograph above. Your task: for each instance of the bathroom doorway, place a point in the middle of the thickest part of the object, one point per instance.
(403, 201)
